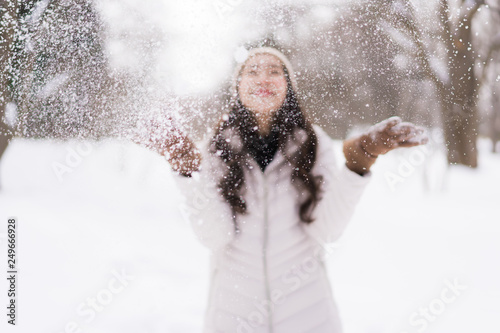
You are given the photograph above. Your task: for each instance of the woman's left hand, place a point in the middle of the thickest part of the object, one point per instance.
(361, 152)
(391, 134)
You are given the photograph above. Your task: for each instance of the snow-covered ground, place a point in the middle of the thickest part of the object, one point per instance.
(103, 247)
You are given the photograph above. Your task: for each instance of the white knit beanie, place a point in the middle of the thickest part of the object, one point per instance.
(245, 55)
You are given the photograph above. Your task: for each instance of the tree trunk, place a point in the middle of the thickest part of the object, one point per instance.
(7, 26)
(458, 93)
(495, 120)
(459, 107)
(460, 131)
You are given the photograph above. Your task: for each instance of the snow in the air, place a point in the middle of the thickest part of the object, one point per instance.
(102, 241)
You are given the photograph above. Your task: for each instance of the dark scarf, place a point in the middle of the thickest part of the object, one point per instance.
(263, 148)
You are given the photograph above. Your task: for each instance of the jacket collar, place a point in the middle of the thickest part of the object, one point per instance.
(277, 162)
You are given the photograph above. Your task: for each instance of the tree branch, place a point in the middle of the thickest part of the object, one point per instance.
(494, 46)
(407, 22)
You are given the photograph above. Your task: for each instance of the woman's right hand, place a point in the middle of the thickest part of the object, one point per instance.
(183, 155)
(167, 140)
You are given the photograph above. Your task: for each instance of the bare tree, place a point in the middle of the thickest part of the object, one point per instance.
(490, 78)
(53, 70)
(11, 22)
(62, 91)
(8, 22)
(494, 121)
(458, 84)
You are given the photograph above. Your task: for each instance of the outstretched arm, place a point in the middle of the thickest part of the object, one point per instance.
(167, 140)
(361, 152)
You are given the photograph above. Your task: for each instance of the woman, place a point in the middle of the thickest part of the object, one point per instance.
(266, 196)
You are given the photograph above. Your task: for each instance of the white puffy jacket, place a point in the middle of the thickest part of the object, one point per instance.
(270, 275)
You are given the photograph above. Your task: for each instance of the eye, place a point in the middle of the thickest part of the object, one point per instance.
(251, 72)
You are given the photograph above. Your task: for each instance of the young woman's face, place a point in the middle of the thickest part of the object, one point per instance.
(263, 86)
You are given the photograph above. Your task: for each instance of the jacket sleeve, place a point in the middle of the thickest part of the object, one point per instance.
(342, 189)
(203, 207)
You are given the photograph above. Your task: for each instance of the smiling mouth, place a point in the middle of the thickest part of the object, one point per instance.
(263, 93)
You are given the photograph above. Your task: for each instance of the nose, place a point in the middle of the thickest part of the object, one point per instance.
(263, 78)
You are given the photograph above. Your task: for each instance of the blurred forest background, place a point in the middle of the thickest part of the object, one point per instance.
(92, 69)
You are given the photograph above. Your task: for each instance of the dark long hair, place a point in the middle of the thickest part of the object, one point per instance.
(239, 129)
